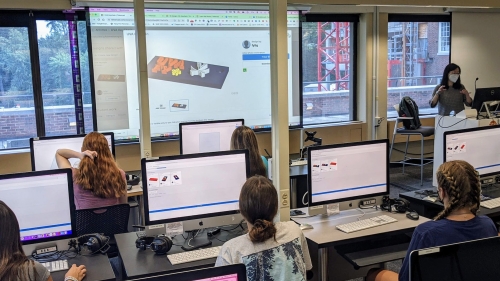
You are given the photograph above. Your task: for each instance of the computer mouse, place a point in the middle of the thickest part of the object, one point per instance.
(305, 226)
(412, 216)
(296, 212)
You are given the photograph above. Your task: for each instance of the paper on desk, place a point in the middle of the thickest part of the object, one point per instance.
(174, 228)
(332, 209)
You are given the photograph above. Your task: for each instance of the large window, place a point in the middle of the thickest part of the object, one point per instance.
(36, 77)
(327, 69)
(415, 59)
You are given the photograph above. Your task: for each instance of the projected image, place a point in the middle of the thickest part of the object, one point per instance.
(179, 105)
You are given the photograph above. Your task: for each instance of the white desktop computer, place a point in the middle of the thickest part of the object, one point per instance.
(347, 173)
(201, 190)
(42, 202)
(209, 136)
(43, 150)
(479, 147)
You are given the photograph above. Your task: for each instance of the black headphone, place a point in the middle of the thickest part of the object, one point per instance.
(132, 179)
(94, 242)
(398, 205)
(159, 244)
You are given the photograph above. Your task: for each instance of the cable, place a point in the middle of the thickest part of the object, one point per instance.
(363, 213)
(439, 123)
(304, 197)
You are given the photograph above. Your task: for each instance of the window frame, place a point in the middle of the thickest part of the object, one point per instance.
(353, 19)
(25, 18)
(440, 39)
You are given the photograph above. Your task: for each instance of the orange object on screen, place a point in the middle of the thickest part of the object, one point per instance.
(153, 179)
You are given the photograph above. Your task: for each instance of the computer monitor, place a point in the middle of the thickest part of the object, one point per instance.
(478, 146)
(202, 190)
(466, 261)
(485, 95)
(43, 150)
(42, 202)
(233, 272)
(346, 172)
(209, 136)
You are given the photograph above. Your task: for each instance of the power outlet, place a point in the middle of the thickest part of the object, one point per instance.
(284, 199)
(368, 202)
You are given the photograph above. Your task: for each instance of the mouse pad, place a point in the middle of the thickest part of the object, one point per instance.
(187, 72)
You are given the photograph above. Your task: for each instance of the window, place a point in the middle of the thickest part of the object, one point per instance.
(36, 81)
(414, 66)
(17, 111)
(444, 37)
(327, 69)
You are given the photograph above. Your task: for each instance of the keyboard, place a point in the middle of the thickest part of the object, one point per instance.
(195, 255)
(299, 163)
(56, 265)
(366, 223)
(491, 204)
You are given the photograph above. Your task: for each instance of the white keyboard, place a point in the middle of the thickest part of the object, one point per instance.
(299, 163)
(56, 265)
(195, 255)
(366, 223)
(491, 204)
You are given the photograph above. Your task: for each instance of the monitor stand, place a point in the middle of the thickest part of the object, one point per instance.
(487, 105)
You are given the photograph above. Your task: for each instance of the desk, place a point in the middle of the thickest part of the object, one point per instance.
(430, 209)
(325, 235)
(98, 266)
(142, 263)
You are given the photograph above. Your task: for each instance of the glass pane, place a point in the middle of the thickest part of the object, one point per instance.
(327, 72)
(84, 71)
(416, 62)
(17, 111)
(57, 81)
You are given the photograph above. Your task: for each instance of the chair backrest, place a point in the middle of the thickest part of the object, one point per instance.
(108, 220)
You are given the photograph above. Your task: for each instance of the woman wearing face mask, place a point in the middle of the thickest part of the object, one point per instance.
(450, 95)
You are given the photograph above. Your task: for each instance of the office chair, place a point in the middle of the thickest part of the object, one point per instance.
(423, 131)
(109, 221)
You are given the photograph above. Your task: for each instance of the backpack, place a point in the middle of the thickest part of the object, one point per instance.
(408, 108)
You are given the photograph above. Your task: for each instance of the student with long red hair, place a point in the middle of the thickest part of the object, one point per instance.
(98, 182)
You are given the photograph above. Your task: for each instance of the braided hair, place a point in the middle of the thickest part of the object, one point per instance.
(461, 182)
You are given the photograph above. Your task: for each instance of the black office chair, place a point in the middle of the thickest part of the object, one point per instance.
(109, 220)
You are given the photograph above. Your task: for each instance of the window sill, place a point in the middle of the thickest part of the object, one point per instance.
(443, 53)
(14, 151)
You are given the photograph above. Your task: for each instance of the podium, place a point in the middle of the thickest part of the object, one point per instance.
(450, 123)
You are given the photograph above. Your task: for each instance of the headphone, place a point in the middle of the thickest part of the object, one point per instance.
(160, 244)
(94, 242)
(398, 205)
(132, 179)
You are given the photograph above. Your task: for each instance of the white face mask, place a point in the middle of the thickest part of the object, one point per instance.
(453, 77)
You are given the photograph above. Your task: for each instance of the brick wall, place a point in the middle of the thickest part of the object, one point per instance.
(326, 104)
(437, 62)
(20, 123)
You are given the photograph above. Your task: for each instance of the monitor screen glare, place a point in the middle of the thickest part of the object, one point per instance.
(343, 172)
(44, 150)
(193, 186)
(207, 137)
(43, 217)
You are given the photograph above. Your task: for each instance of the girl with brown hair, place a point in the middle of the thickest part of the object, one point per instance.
(459, 190)
(244, 138)
(98, 182)
(14, 265)
(270, 251)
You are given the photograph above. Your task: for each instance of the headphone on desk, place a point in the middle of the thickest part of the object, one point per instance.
(398, 205)
(132, 179)
(160, 244)
(94, 242)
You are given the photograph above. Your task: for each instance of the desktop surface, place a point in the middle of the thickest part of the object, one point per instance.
(98, 266)
(142, 263)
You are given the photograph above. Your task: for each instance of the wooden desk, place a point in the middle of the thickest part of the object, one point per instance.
(325, 235)
(98, 266)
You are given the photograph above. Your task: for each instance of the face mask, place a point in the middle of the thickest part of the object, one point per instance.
(454, 77)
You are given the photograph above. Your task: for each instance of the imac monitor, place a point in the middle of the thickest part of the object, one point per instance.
(478, 146)
(43, 150)
(344, 172)
(485, 95)
(466, 261)
(42, 202)
(197, 189)
(233, 272)
(199, 137)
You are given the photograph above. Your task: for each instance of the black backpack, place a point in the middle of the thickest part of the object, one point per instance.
(408, 108)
